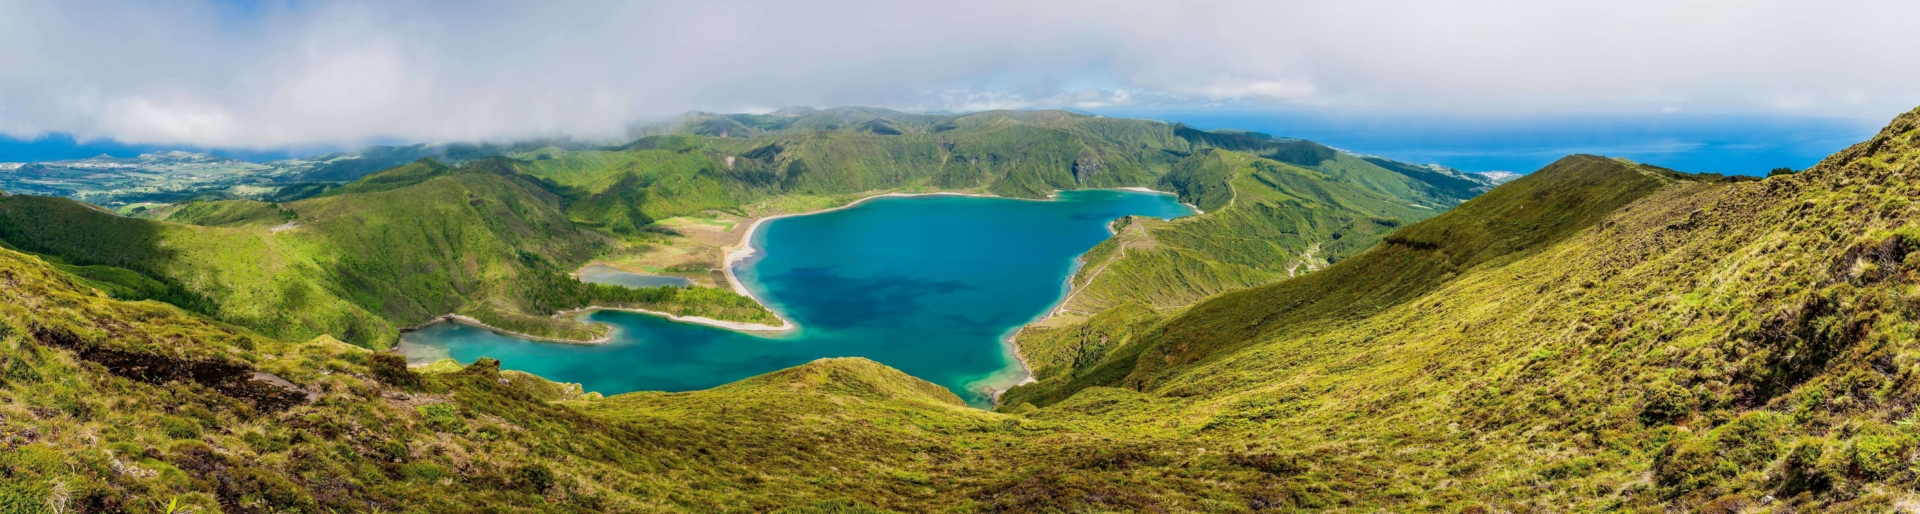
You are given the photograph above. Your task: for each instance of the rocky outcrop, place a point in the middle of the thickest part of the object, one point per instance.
(1086, 166)
(265, 391)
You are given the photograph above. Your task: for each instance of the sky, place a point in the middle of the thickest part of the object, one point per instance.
(1416, 77)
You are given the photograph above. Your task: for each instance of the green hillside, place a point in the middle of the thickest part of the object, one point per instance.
(1598, 335)
(395, 249)
(246, 276)
(1262, 221)
(130, 407)
(227, 213)
(722, 162)
(1539, 209)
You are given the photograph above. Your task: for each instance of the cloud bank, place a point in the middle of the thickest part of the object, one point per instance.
(268, 74)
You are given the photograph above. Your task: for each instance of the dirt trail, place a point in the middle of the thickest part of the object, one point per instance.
(1133, 236)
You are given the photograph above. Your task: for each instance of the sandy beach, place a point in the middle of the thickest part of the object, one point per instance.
(468, 321)
(739, 326)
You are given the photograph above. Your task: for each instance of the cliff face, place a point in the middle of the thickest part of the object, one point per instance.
(1086, 166)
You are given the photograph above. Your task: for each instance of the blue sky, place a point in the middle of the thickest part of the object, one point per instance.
(1479, 85)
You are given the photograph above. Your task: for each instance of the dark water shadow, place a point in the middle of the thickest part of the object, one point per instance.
(835, 301)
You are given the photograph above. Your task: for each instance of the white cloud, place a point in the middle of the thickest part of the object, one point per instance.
(346, 72)
(1292, 91)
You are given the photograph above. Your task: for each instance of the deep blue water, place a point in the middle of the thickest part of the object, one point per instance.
(605, 275)
(930, 285)
(1748, 144)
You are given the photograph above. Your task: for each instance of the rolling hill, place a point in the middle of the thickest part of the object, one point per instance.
(394, 249)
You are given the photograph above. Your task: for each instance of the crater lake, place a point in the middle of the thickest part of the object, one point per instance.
(931, 285)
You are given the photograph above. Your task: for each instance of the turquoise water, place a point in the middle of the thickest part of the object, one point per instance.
(931, 285)
(605, 275)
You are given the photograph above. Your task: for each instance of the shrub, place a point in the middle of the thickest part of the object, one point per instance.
(534, 477)
(179, 428)
(391, 369)
(1664, 403)
(1799, 471)
(263, 443)
(1876, 456)
(19, 370)
(442, 417)
(424, 472)
(394, 451)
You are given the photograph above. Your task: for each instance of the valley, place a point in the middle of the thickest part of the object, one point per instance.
(1329, 332)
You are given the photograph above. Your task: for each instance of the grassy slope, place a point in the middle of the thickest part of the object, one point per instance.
(1703, 347)
(1263, 221)
(245, 276)
(418, 245)
(394, 250)
(1549, 204)
(116, 406)
(231, 213)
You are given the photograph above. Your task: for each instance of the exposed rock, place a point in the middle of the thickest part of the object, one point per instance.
(267, 392)
(1086, 166)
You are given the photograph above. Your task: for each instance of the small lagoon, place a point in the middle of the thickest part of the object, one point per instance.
(931, 285)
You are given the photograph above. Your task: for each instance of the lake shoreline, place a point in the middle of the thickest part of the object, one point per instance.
(471, 322)
(735, 253)
(743, 250)
(737, 326)
(986, 389)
